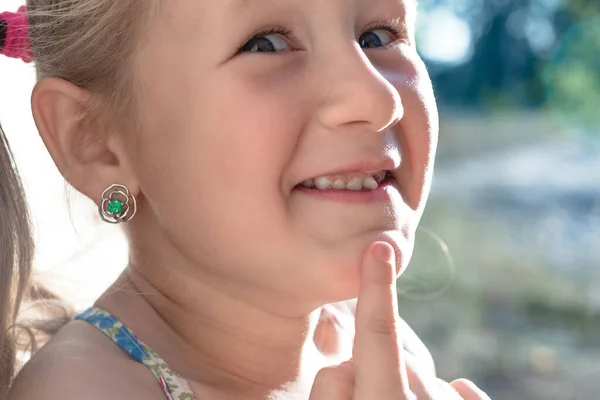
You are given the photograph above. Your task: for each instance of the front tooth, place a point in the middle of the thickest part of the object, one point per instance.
(370, 183)
(355, 183)
(338, 184)
(323, 183)
(309, 183)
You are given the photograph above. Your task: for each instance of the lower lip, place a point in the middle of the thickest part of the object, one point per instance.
(381, 194)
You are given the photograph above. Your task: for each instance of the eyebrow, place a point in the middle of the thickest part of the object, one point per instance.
(241, 4)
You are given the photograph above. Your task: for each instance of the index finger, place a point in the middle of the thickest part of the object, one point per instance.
(380, 368)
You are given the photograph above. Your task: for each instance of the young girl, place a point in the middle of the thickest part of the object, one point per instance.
(269, 162)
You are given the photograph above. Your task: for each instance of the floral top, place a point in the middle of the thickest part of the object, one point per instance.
(174, 386)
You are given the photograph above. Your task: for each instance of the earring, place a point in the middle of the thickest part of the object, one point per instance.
(118, 205)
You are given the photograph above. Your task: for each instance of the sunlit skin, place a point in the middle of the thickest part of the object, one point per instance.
(231, 259)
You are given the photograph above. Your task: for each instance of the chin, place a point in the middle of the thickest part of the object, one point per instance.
(403, 245)
(341, 281)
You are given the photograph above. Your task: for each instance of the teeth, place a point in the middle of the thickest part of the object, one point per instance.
(338, 184)
(309, 183)
(370, 183)
(323, 183)
(355, 183)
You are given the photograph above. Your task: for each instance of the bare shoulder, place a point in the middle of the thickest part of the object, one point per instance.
(81, 363)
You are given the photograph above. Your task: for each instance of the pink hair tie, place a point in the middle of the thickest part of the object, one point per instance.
(16, 43)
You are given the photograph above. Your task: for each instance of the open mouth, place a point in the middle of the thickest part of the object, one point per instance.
(349, 182)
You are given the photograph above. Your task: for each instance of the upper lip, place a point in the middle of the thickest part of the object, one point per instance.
(361, 167)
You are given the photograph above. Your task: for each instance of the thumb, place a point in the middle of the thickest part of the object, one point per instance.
(334, 383)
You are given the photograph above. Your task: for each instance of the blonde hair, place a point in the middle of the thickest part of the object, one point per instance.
(16, 252)
(90, 43)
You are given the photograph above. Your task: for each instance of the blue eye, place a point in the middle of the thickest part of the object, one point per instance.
(271, 41)
(377, 38)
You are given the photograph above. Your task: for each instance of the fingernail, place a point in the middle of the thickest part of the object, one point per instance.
(383, 252)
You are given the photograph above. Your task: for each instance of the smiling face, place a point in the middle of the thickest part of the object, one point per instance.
(244, 101)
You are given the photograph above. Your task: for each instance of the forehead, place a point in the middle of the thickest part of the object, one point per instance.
(245, 4)
(198, 8)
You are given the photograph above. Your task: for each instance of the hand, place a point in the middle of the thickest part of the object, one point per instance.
(380, 368)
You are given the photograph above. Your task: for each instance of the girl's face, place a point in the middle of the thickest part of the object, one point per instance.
(244, 100)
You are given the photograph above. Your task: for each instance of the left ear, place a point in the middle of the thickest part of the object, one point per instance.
(89, 155)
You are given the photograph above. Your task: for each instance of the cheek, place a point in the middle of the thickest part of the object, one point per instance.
(418, 138)
(212, 170)
(217, 180)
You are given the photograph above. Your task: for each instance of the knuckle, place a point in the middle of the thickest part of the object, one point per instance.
(382, 326)
(447, 389)
(333, 375)
(466, 387)
(462, 384)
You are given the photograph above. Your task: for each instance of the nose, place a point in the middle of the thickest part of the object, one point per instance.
(354, 91)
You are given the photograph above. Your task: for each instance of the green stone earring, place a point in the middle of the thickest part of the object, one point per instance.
(118, 205)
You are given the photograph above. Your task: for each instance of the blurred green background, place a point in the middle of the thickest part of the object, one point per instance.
(504, 286)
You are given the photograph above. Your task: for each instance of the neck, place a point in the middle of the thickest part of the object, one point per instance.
(221, 341)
